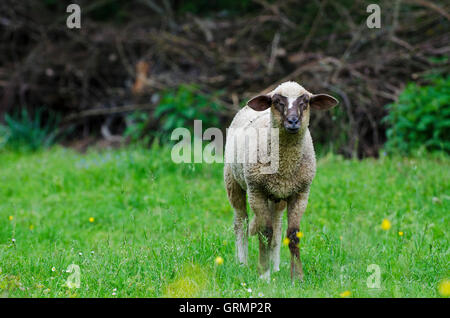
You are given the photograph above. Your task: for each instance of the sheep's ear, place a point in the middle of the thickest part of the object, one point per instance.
(323, 101)
(260, 103)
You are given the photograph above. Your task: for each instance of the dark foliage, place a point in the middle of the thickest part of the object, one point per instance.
(128, 52)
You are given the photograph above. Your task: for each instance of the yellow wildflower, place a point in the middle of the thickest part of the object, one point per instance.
(444, 288)
(218, 260)
(286, 241)
(400, 233)
(31, 227)
(386, 224)
(11, 218)
(346, 293)
(91, 219)
(299, 234)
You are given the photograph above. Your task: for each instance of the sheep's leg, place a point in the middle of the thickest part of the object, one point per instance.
(296, 208)
(260, 205)
(276, 210)
(236, 196)
(241, 232)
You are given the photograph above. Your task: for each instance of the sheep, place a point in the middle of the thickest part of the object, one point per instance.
(285, 111)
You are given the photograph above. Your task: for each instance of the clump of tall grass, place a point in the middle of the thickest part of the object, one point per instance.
(29, 132)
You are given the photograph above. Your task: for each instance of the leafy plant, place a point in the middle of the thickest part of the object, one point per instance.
(26, 132)
(177, 108)
(420, 118)
(4, 136)
(136, 122)
(182, 107)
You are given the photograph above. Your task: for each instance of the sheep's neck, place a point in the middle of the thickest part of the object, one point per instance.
(290, 145)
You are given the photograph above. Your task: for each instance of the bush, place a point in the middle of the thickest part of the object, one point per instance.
(26, 132)
(176, 109)
(420, 118)
(137, 122)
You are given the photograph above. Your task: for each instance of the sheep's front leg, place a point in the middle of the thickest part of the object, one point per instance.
(260, 206)
(241, 232)
(296, 208)
(276, 210)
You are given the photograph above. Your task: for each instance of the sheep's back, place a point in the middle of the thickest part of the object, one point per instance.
(244, 120)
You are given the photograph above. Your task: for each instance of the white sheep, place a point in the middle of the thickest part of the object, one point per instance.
(285, 111)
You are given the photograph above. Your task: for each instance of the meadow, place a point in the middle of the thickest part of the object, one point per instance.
(138, 225)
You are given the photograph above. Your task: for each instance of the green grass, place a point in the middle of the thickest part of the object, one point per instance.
(159, 226)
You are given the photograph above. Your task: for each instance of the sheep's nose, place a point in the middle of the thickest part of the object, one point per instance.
(292, 120)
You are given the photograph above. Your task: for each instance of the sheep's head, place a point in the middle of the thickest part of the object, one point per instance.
(290, 104)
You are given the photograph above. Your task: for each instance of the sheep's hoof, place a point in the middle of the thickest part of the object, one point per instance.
(296, 272)
(298, 278)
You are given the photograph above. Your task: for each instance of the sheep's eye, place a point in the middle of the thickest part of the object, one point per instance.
(280, 103)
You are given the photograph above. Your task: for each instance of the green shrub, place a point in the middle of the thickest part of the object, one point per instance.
(181, 108)
(137, 122)
(420, 118)
(26, 132)
(176, 109)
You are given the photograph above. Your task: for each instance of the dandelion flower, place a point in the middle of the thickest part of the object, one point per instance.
(386, 224)
(286, 241)
(218, 260)
(444, 288)
(91, 219)
(346, 293)
(400, 233)
(299, 235)
(31, 227)
(53, 269)
(11, 218)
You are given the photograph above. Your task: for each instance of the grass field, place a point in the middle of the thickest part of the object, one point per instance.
(137, 225)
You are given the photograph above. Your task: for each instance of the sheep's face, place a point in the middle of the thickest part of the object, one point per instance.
(292, 113)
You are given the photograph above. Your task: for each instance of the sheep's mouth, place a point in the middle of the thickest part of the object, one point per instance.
(293, 130)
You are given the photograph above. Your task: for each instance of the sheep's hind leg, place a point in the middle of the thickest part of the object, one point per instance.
(236, 196)
(276, 210)
(260, 205)
(296, 208)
